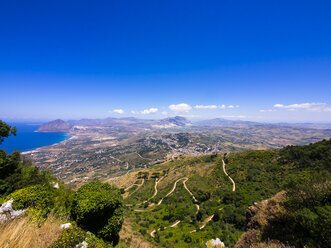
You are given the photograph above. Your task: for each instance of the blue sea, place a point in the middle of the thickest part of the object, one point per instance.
(27, 139)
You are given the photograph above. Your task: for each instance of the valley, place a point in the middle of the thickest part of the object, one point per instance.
(108, 148)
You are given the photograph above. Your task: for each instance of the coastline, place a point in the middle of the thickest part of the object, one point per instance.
(48, 146)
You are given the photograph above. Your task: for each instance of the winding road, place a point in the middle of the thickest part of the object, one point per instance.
(139, 185)
(173, 225)
(233, 183)
(155, 190)
(171, 191)
(143, 157)
(204, 223)
(195, 200)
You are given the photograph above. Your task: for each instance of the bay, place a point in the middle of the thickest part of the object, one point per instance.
(27, 139)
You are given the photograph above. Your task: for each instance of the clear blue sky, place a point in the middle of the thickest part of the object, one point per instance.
(253, 60)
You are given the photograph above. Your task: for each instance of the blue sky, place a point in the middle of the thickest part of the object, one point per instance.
(253, 60)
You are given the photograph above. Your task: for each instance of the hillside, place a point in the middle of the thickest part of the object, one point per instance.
(188, 200)
(257, 198)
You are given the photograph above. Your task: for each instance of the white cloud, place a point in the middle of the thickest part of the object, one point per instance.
(149, 111)
(118, 111)
(309, 106)
(133, 112)
(205, 106)
(164, 113)
(180, 108)
(223, 106)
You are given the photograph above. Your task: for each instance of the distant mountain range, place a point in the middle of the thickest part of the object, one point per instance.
(171, 122)
(65, 126)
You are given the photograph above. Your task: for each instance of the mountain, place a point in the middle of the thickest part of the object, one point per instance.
(225, 122)
(55, 126)
(60, 125)
(177, 121)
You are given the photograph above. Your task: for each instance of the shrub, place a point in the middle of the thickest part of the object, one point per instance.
(69, 238)
(98, 207)
(37, 196)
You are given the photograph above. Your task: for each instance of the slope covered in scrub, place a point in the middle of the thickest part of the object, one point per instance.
(189, 200)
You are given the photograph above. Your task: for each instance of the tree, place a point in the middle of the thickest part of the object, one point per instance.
(98, 207)
(14, 173)
(6, 131)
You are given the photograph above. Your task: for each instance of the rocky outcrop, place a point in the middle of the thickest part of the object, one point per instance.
(55, 126)
(8, 213)
(259, 217)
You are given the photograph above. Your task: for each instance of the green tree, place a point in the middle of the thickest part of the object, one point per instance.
(16, 173)
(6, 131)
(98, 207)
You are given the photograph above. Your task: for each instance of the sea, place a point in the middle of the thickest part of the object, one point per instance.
(28, 139)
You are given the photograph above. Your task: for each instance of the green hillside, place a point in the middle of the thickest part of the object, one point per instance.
(264, 198)
(177, 221)
(36, 205)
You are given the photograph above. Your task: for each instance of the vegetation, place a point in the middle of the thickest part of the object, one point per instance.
(6, 131)
(303, 171)
(307, 219)
(185, 201)
(96, 207)
(74, 235)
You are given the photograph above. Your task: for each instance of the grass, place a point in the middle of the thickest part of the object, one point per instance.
(24, 234)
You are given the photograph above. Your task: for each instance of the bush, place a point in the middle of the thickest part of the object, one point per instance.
(37, 196)
(74, 235)
(69, 238)
(15, 174)
(98, 207)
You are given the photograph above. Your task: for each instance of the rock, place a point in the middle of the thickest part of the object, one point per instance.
(84, 244)
(65, 226)
(8, 213)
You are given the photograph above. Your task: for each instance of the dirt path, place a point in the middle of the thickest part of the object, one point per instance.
(184, 182)
(169, 193)
(233, 183)
(155, 193)
(195, 200)
(118, 160)
(206, 221)
(155, 190)
(143, 157)
(172, 190)
(198, 208)
(173, 225)
(139, 185)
